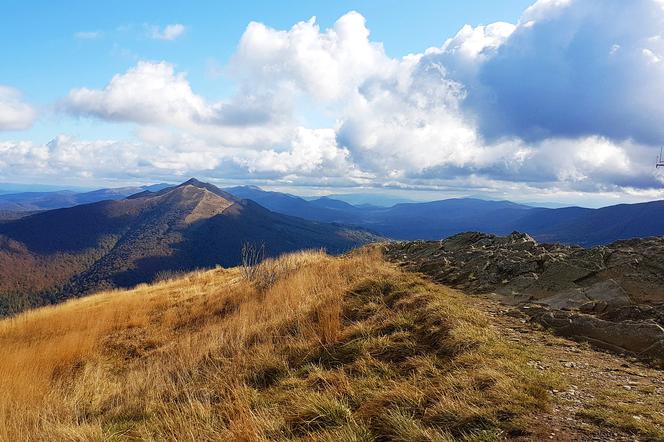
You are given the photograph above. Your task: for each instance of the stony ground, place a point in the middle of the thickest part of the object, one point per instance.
(609, 295)
(608, 397)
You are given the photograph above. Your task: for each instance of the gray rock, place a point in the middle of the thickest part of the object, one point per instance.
(640, 338)
(611, 295)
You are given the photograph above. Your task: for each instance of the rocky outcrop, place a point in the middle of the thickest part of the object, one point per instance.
(644, 339)
(612, 296)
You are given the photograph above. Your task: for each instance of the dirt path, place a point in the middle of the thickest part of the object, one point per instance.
(608, 398)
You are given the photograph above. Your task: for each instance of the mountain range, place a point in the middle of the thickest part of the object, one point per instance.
(46, 200)
(51, 255)
(408, 221)
(440, 219)
(111, 239)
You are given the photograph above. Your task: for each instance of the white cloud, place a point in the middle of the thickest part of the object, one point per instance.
(168, 32)
(571, 68)
(569, 98)
(408, 128)
(22, 154)
(327, 65)
(155, 94)
(66, 156)
(590, 163)
(544, 10)
(307, 155)
(147, 93)
(312, 152)
(15, 114)
(475, 42)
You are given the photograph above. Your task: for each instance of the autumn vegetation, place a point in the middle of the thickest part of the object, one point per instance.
(305, 347)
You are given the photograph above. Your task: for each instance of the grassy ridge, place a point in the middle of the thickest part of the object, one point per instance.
(306, 347)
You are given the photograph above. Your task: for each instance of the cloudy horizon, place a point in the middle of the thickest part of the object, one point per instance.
(562, 104)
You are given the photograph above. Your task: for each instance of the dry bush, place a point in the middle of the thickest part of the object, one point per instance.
(343, 348)
(251, 256)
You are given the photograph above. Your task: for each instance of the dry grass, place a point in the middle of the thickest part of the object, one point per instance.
(634, 413)
(314, 347)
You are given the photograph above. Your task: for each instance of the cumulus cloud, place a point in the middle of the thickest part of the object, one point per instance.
(419, 116)
(15, 114)
(16, 155)
(146, 93)
(408, 128)
(154, 94)
(569, 98)
(588, 164)
(308, 156)
(569, 68)
(310, 153)
(327, 65)
(66, 156)
(168, 32)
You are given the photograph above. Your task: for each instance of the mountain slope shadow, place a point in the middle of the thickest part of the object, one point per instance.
(123, 243)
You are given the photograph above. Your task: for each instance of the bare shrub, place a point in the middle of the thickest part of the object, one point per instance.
(251, 255)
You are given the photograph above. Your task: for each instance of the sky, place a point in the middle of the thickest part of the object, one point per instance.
(547, 101)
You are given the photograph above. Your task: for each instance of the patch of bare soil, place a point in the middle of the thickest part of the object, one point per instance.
(608, 397)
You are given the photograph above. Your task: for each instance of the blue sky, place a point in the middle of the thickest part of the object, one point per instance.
(54, 55)
(556, 100)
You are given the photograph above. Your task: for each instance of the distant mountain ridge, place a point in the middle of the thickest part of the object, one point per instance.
(444, 218)
(54, 254)
(420, 220)
(590, 227)
(367, 199)
(34, 201)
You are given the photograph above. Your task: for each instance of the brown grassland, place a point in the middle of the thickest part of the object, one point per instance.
(306, 347)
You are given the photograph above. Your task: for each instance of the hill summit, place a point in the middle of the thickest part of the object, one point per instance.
(310, 347)
(52, 255)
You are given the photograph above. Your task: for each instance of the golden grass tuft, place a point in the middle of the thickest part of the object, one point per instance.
(310, 347)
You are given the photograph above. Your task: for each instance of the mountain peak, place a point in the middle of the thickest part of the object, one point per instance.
(194, 182)
(205, 186)
(126, 242)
